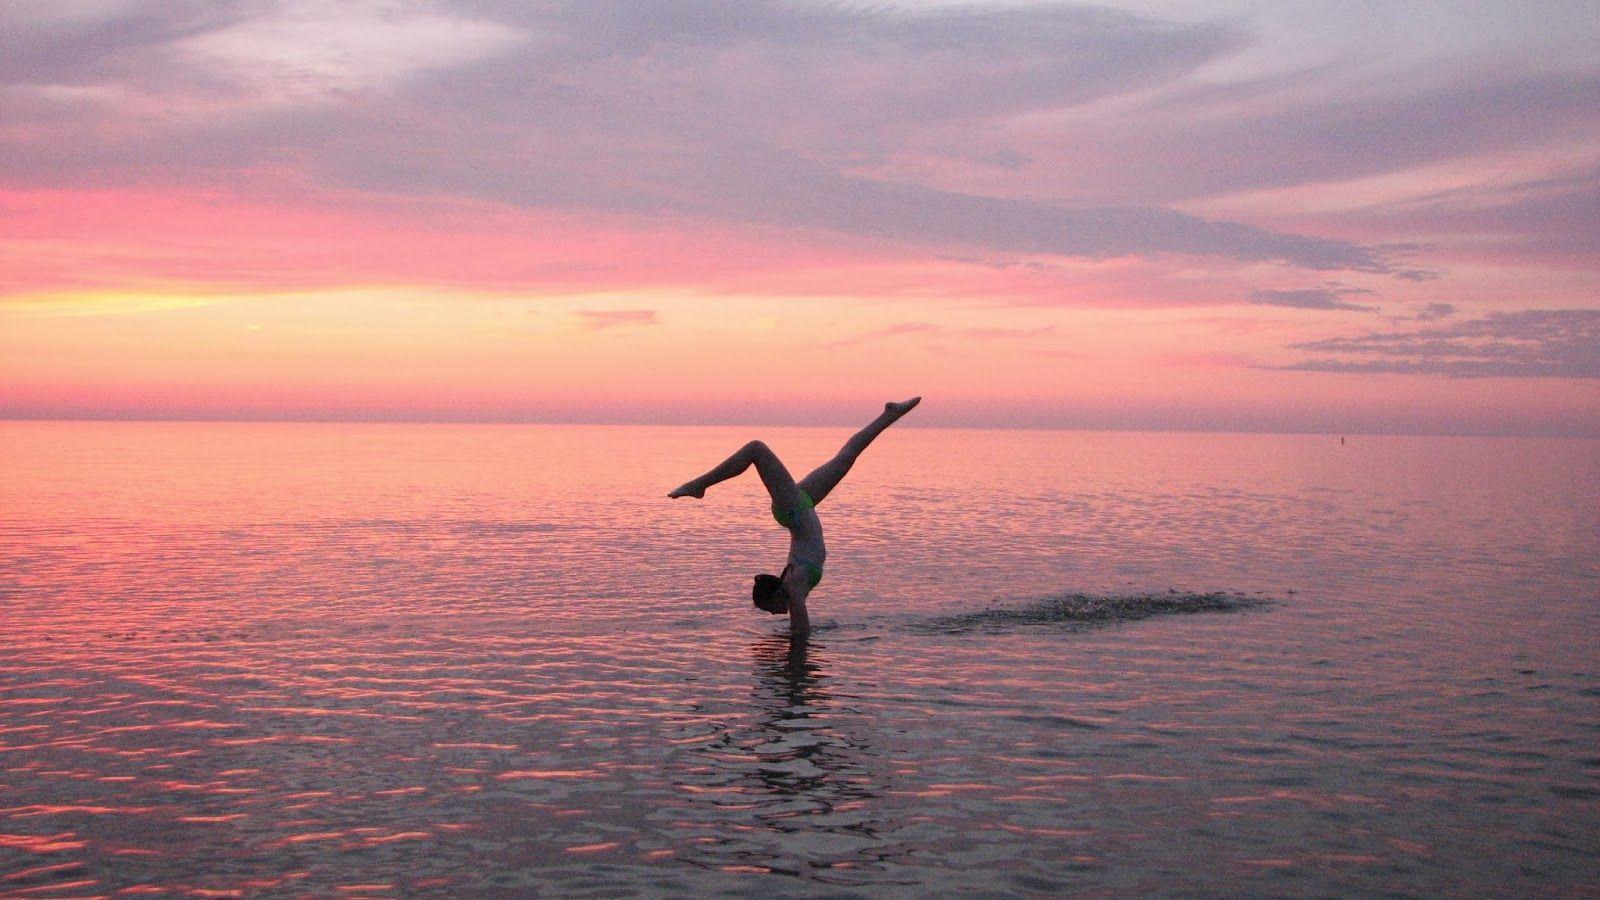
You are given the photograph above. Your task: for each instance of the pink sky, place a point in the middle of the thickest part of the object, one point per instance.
(1142, 215)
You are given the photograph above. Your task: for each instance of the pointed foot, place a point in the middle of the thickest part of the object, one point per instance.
(688, 490)
(903, 407)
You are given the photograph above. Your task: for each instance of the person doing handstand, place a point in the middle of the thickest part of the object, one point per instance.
(794, 506)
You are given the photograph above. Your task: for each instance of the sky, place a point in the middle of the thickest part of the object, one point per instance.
(1327, 217)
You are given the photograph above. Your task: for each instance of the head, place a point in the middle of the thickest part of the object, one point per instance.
(770, 595)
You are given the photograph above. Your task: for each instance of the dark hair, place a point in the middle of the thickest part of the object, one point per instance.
(768, 594)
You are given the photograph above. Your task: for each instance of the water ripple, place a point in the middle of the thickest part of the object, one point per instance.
(351, 660)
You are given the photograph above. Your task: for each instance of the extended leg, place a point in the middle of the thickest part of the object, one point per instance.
(780, 484)
(828, 475)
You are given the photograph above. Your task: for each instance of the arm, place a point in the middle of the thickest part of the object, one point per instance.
(798, 587)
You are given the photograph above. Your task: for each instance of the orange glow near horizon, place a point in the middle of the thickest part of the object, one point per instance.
(396, 353)
(1127, 228)
(403, 320)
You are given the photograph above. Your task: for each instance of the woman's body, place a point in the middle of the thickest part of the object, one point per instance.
(794, 506)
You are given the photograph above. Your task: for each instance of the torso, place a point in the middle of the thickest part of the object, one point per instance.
(805, 537)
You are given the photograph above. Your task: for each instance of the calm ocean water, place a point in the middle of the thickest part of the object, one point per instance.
(468, 659)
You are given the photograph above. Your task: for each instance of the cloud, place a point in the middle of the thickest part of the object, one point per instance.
(1005, 334)
(1433, 311)
(44, 42)
(318, 48)
(1547, 343)
(601, 319)
(981, 333)
(1205, 359)
(1327, 125)
(777, 115)
(1552, 215)
(1329, 296)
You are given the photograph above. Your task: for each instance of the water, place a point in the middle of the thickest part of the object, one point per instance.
(468, 659)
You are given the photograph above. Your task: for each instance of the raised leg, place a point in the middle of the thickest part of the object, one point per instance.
(780, 484)
(827, 476)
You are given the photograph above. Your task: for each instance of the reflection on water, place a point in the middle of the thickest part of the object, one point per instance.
(468, 660)
(792, 789)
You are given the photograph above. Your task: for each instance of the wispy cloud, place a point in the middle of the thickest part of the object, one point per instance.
(601, 319)
(905, 329)
(1549, 216)
(1205, 359)
(1329, 296)
(1331, 129)
(1546, 343)
(782, 115)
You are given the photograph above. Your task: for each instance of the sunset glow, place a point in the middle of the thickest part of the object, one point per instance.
(1147, 217)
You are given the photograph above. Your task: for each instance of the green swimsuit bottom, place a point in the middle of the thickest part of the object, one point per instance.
(785, 517)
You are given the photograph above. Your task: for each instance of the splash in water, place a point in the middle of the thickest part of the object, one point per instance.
(1073, 612)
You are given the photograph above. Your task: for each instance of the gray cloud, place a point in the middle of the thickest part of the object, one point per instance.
(1544, 216)
(1433, 311)
(51, 43)
(1329, 296)
(1548, 343)
(775, 114)
(1339, 132)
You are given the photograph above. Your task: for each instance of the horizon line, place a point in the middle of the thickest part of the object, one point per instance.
(623, 423)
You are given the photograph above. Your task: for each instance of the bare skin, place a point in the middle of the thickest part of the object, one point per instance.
(806, 548)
